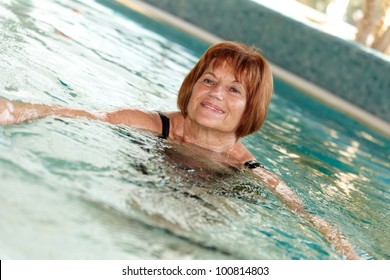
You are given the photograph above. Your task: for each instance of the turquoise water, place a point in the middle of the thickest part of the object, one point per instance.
(78, 189)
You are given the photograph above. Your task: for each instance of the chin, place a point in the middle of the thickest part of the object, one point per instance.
(214, 124)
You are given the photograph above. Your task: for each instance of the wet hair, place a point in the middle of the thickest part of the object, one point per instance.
(249, 67)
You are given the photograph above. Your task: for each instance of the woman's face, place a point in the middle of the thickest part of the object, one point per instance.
(218, 100)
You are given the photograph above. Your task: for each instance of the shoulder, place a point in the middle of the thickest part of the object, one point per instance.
(176, 120)
(250, 162)
(241, 154)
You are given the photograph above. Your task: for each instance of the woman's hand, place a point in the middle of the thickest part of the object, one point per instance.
(334, 236)
(12, 112)
(286, 195)
(7, 110)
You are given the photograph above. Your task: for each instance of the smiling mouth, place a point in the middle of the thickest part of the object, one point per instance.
(212, 107)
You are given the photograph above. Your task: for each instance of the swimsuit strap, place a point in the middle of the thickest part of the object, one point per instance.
(165, 125)
(252, 164)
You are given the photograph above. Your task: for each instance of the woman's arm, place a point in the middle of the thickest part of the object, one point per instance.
(286, 195)
(17, 112)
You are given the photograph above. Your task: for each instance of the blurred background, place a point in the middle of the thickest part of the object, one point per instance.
(368, 20)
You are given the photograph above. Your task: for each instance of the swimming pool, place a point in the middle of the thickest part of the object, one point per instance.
(78, 189)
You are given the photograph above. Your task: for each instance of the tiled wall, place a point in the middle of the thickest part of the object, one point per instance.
(352, 72)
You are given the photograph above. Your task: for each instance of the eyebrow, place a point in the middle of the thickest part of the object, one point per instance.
(209, 73)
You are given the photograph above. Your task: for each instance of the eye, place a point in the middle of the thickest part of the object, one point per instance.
(208, 81)
(235, 90)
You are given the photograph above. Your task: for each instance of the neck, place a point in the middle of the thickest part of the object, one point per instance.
(210, 139)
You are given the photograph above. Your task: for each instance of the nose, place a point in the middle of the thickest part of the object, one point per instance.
(217, 93)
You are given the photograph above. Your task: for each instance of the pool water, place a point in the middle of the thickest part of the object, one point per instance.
(79, 189)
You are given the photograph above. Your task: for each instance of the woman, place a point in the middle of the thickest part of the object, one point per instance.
(223, 98)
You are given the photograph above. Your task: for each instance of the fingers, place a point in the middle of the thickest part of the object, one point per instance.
(6, 112)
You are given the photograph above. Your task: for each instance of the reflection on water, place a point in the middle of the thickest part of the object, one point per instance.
(73, 188)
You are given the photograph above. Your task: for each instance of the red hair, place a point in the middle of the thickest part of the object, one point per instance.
(249, 67)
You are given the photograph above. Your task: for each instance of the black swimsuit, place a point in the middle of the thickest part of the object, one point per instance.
(165, 125)
(251, 164)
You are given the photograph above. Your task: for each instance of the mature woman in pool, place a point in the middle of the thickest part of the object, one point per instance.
(224, 98)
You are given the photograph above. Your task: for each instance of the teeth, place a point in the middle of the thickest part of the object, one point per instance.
(214, 109)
